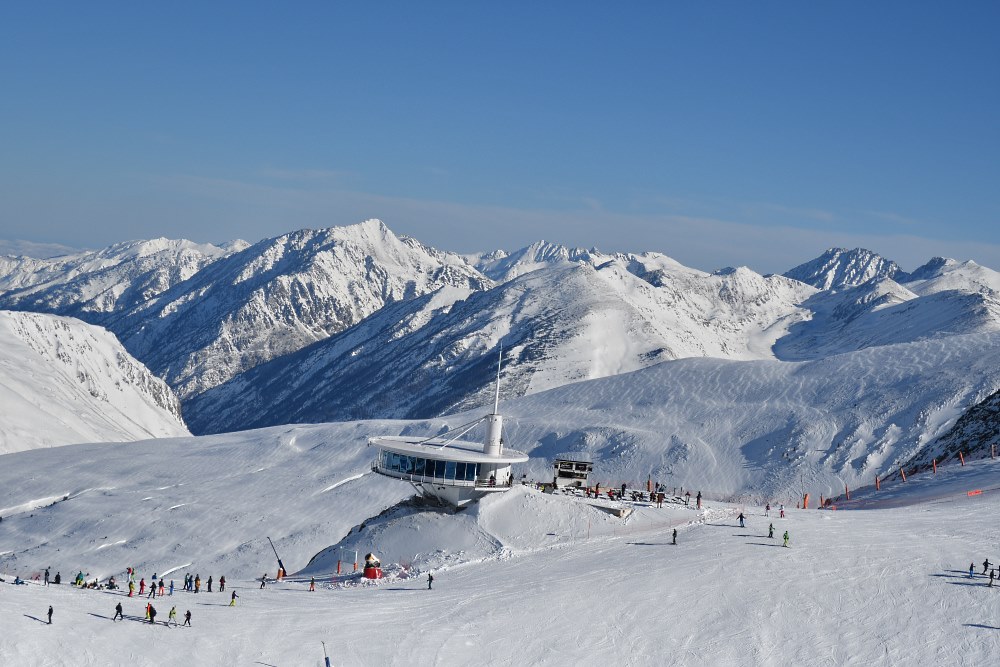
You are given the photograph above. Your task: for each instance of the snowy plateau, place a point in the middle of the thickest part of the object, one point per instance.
(286, 355)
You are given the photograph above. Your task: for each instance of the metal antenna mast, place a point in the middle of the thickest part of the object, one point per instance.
(496, 402)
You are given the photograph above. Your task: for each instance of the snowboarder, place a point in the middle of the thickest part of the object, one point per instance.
(770, 531)
(187, 618)
(50, 614)
(210, 584)
(430, 580)
(786, 539)
(222, 584)
(740, 517)
(172, 616)
(312, 583)
(972, 570)
(46, 576)
(232, 601)
(986, 565)
(263, 580)
(118, 613)
(675, 536)
(767, 509)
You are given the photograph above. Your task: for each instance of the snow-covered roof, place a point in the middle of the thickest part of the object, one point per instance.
(441, 449)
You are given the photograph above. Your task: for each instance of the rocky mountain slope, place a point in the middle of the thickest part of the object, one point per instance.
(353, 322)
(63, 381)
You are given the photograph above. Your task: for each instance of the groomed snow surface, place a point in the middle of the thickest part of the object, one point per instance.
(522, 578)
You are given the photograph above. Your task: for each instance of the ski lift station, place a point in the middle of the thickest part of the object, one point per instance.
(454, 471)
(572, 469)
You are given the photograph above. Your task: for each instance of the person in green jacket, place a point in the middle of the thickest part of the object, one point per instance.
(786, 539)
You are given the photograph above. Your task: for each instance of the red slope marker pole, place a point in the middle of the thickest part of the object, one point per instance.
(961, 458)
(902, 472)
(878, 484)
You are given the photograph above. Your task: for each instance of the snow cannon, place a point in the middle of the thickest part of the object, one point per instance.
(373, 568)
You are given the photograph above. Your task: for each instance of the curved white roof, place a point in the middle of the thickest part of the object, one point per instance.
(441, 449)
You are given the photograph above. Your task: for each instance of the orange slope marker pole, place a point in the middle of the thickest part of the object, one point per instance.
(902, 472)
(878, 483)
(961, 458)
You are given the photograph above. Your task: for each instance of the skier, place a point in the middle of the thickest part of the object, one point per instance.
(187, 618)
(148, 607)
(46, 576)
(131, 588)
(142, 587)
(263, 580)
(430, 580)
(152, 592)
(992, 576)
(58, 579)
(986, 565)
(232, 601)
(740, 517)
(687, 498)
(675, 536)
(210, 584)
(312, 583)
(786, 539)
(623, 490)
(197, 583)
(50, 614)
(770, 531)
(781, 511)
(698, 499)
(767, 509)
(222, 584)
(172, 616)
(118, 613)
(171, 586)
(152, 614)
(972, 570)
(162, 587)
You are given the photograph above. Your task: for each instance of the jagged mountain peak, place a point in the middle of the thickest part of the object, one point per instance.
(839, 267)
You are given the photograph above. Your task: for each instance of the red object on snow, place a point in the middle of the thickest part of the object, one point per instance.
(372, 573)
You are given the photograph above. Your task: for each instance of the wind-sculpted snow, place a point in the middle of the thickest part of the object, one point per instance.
(63, 381)
(564, 323)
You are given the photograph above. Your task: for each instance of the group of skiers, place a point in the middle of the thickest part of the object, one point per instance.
(770, 527)
(151, 614)
(987, 567)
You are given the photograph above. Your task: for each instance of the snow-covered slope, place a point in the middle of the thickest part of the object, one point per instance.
(63, 381)
(100, 286)
(563, 323)
(839, 267)
(280, 295)
(523, 578)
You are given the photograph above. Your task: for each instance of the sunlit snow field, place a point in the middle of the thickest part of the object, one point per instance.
(525, 578)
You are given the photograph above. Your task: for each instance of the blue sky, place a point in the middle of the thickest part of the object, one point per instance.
(719, 133)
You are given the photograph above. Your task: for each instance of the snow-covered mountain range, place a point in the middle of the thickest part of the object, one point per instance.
(63, 381)
(357, 323)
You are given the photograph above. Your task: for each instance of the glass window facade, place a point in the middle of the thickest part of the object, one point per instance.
(419, 467)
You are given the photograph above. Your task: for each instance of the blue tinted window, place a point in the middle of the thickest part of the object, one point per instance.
(460, 471)
(439, 469)
(471, 472)
(449, 470)
(418, 467)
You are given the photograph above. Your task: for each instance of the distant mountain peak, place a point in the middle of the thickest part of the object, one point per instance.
(838, 268)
